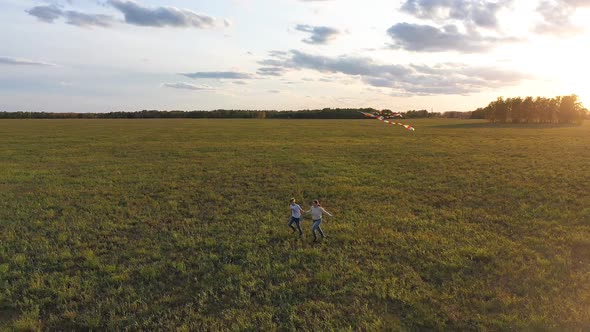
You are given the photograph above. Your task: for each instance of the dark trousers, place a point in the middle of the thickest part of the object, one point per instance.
(296, 221)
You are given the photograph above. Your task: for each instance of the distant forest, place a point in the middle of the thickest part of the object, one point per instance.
(326, 113)
(561, 109)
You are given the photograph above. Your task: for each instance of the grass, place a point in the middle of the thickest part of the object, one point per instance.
(181, 225)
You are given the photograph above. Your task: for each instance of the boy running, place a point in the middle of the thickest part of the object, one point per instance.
(296, 211)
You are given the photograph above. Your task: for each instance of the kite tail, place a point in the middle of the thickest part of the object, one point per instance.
(381, 118)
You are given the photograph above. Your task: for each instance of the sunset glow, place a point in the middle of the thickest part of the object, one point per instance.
(86, 56)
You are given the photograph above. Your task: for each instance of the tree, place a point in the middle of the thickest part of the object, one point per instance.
(570, 109)
(490, 112)
(527, 110)
(514, 109)
(501, 110)
(544, 107)
(386, 112)
(479, 113)
(416, 114)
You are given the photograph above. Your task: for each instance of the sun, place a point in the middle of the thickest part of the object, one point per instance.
(574, 79)
(565, 63)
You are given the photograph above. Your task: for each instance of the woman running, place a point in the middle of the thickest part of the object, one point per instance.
(296, 211)
(316, 215)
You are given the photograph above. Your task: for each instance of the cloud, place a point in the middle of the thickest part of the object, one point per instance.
(490, 74)
(407, 79)
(186, 86)
(50, 13)
(134, 14)
(344, 64)
(218, 75)
(427, 38)
(278, 54)
(87, 20)
(557, 17)
(477, 12)
(23, 62)
(137, 14)
(556, 14)
(270, 71)
(578, 3)
(46, 14)
(320, 35)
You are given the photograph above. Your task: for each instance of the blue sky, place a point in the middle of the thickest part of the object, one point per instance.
(445, 55)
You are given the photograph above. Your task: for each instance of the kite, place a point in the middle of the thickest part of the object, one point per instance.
(382, 118)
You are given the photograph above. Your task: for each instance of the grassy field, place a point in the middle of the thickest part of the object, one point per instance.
(181, 225)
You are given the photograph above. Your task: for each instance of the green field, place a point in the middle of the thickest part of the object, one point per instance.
(181, 225)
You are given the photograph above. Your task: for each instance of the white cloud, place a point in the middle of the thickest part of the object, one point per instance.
(476, 12)
(23, 62)
(46, 14)
(137, 14)
(50, 13)
(218, 75)
(133, 12)
(557, 17)
(319, 34)
(187, 86)
(426, 38)
(408, 79)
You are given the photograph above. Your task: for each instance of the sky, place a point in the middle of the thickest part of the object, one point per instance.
(439, 55)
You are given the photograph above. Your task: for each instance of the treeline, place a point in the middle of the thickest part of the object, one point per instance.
(417, 114)
(560, 109)
(326, 113)
(563, 109)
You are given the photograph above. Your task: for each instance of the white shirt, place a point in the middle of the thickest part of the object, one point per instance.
(295, 210)
(316, 212)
